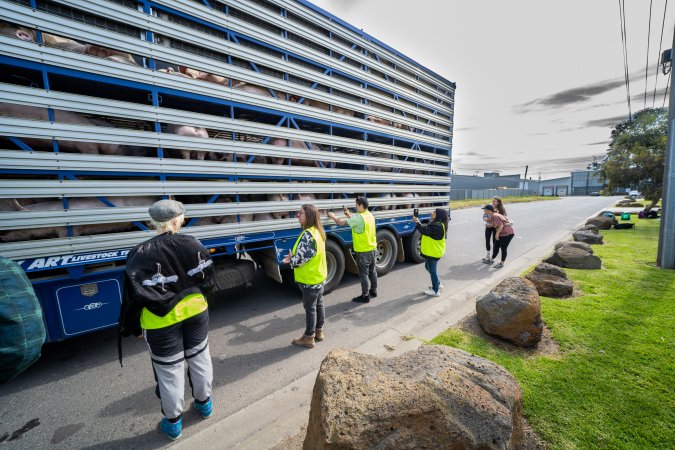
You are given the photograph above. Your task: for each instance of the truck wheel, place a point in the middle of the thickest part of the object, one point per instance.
(335, 260)
(411, 247)
(385, 253)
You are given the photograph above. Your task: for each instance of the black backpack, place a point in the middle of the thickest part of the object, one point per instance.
(624, 226)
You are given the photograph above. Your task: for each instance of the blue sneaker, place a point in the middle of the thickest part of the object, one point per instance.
(205, 409)
(172, 430)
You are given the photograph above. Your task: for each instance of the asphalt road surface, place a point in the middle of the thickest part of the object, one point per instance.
(78, 396)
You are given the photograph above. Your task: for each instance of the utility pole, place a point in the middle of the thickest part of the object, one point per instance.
(666, 254)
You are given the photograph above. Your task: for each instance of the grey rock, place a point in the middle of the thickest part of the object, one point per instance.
(436, 397)
(551, 281)
(589, 227)
(602, 222)
(588, 237)
(582, 245)
(512, 311)
(574, 258)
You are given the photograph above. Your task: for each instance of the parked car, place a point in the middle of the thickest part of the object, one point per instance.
(595, 194)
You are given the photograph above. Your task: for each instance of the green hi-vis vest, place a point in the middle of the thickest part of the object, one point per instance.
(433, 247)
(190, 306)
(366, 241)
(315, 270)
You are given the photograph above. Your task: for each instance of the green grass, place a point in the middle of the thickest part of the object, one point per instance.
(461, 204)
(612, 385)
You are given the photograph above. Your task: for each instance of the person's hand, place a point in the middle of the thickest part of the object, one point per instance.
(496, 236)
(287, 259)
(416, 219)
(331, 215)
(345, 210)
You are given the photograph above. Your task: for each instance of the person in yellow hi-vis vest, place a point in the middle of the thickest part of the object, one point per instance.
(364, 243)
(433, 246)
(167, 281)
(308, 261)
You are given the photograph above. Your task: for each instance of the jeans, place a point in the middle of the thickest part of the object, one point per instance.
(365, 261)
(432, 267)
(502, 244)
(315, 313)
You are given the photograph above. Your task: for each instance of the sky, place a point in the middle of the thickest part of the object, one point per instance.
(539, 83)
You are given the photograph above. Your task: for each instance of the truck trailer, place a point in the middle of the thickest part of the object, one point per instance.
(242, 109)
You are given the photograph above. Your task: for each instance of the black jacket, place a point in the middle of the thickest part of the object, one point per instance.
(160, 272)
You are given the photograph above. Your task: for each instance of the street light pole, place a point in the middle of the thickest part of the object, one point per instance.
(666, 253)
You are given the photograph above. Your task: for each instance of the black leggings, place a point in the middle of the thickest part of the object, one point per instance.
(490, 237)
(502, 244)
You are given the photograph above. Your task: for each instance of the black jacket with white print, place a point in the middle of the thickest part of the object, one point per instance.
(160, 272)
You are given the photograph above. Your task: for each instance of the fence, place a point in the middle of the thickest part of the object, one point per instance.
(468, 194)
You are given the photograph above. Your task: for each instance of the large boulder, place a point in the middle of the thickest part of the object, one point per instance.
(512, 311)
(588, 237)
(582, 245)
(574, 258)
(434, 397)
(551, 281)
(602, 222)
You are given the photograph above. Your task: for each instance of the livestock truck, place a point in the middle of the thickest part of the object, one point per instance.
(243, 110)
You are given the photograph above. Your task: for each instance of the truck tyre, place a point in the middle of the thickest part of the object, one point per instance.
(385, 253)
(411, 247)
(335, 261)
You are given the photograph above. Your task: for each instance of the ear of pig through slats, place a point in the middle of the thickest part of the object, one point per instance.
(190, 131)
(23, 33)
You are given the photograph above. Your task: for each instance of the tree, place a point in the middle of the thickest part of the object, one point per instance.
(636, 156)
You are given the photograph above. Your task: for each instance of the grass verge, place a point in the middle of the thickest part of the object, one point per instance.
(612, 384)
(461, 204)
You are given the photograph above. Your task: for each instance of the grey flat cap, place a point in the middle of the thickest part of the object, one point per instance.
(165, 210)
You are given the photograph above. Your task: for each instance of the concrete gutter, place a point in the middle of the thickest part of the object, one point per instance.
(284, 412)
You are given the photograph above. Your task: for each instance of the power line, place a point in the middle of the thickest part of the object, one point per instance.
(656, 78)
(622, 20)
(649, 32)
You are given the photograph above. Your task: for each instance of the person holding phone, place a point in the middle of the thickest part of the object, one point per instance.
(308, 261)
(433, 245)
(364, 239)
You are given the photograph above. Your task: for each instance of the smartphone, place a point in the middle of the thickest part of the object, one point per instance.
(416, 212)
(344, 208)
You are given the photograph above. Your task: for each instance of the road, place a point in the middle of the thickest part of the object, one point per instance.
(78, 396)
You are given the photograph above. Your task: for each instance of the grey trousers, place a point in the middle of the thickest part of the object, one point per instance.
(169, 348)
(315, 313)
(365, 261)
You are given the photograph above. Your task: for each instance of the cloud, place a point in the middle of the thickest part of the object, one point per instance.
(608, 122)
(570, 96)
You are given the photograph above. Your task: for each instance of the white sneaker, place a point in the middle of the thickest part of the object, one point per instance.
(440, 286)
(432, 293)
(488, 260)
(499, 265)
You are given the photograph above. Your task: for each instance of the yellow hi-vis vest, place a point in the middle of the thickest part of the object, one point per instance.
(189, 306)
(433, 247)
(315, 270)
(366, 241)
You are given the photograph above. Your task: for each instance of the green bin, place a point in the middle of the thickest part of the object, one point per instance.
(625, 216)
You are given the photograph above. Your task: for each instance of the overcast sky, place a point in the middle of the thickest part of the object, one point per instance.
(539, 82)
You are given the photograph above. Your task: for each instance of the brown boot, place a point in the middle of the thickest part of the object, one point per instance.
(318, 336)
(304, 341)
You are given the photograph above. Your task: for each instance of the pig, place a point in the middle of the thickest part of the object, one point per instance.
(187, 130)
(205, 76)
(34, 113)
(107, 53)
(278, 198)
(409, 195)
(255, 89)
(321, 105)
(262, 216)
(172, 71)
(377, 168)
(294, 144)
(78, 230)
